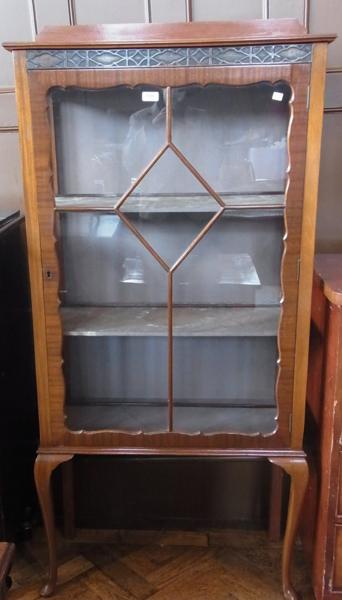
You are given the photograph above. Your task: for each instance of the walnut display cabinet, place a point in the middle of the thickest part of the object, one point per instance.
(171, 179)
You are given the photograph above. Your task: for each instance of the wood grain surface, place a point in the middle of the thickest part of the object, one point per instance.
(314, 134)
(328, 268)
(201, 33)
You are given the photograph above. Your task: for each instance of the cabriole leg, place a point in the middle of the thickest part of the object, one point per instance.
(44, 466)
(298, 470)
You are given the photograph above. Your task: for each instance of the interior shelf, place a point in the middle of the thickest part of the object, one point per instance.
(154, 419)
(187, 321)
(171, 204)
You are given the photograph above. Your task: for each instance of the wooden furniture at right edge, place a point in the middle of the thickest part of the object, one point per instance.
(324, 429)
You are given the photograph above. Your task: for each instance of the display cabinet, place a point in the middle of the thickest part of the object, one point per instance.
(171, 180)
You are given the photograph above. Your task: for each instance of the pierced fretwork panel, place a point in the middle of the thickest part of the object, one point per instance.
(168, 57)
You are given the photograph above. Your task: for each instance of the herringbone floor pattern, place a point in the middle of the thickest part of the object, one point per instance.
(221, 565)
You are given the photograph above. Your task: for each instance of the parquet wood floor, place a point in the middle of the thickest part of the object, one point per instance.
(135, 565)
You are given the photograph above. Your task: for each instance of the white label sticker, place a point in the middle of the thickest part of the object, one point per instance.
(150, 96)
(278, 96)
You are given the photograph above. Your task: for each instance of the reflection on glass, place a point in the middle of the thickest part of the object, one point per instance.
(238, 269)
(133, 270)
(96, 252)
(115, 344)
(235, 136)
(237, 263)
(105, 138)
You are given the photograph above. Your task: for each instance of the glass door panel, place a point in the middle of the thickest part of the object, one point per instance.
(227, 290)
(170, 236)
(116, 382)
(114, 318)
(235, 136)
(104, 264)
(225, 382)
(236, 263)
(105, 138)
(225, 371)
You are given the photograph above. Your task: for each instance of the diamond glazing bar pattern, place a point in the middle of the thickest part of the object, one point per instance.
(168, 57)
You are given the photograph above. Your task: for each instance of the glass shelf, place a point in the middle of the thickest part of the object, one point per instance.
(153, 419)
(187, 321)
(115, 370)
(173, 203)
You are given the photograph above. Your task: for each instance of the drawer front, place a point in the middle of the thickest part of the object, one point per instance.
(337, 559)
(318, 305)
(339, 496)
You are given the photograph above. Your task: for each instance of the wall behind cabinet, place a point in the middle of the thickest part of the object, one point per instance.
(21, 19)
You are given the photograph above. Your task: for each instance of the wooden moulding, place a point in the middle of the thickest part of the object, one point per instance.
(233, 453)
(314, 135)
(201, 33)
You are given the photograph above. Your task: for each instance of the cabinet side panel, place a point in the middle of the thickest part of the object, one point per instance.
(314, 134)
(33, 243)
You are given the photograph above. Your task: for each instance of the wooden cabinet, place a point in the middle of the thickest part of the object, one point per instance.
(18, 405)
(324, 408)
(6, 558)
(171, 180)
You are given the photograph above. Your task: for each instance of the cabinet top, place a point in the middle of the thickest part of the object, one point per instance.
(328, 269)
(229, 33)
